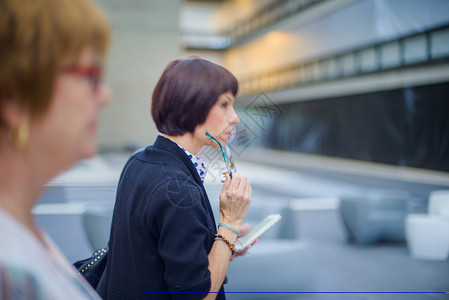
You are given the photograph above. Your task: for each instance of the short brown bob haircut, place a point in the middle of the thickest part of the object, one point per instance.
(37, 38)
(186, 92)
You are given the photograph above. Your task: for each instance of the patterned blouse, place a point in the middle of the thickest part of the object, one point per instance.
(198, 163)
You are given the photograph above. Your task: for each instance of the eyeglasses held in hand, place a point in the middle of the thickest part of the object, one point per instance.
(227, 157)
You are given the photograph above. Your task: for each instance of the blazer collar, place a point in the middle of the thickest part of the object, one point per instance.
(165, 144)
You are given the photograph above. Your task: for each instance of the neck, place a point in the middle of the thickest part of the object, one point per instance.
(21, 183)
(187, 141)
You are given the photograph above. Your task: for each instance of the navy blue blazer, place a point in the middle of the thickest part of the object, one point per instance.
(162, 230)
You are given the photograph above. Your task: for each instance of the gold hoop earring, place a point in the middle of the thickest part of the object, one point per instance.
(19, 136)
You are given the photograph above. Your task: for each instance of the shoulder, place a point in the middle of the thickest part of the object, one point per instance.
(19, 283)
(22, 260)
(152, 166)
(155, 161)
(17, 242)
(163, 150)
(150, 172)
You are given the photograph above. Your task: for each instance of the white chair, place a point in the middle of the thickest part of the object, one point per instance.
(439, 203)
(428, 234)
(54, 193)
(97, 221)
(376, 216)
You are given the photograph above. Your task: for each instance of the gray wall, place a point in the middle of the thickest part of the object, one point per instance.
(144, 41)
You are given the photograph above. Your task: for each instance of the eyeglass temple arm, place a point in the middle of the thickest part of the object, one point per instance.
(227, 162)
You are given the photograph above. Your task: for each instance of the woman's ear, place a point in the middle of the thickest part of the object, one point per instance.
(15, 121)
(12, 115)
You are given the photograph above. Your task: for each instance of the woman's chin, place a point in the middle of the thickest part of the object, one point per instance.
(214, 145)
(89, 151)
(223, 141)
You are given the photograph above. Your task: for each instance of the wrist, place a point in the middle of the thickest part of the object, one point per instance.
(232, 223)
(230, 244)
(228, 233)
(235, 230)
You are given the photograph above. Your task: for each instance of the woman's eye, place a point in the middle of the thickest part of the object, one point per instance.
(224, 104)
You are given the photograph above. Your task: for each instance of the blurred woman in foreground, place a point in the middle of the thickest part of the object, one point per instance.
(51, 58)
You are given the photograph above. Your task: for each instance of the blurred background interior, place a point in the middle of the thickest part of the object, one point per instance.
(345, 131)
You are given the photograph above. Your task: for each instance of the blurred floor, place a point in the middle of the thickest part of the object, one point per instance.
(341, 268)
(386, 267)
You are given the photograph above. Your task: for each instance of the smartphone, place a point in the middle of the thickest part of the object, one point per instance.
(256, 232)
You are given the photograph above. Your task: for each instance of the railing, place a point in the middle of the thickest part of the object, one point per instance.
(262, 18)
(430, 46)
(267, 16)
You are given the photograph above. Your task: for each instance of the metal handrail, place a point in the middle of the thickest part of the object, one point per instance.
(268, 15)
(347, 63)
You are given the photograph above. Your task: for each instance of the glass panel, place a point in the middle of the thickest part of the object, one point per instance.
(390, 55)
(415, 49)
(348, 66)
(439, 42)
(368, 60)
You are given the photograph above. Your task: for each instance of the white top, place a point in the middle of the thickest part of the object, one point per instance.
(32, 270)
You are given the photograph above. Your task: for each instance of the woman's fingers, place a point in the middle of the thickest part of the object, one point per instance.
(243, 186)
(239, 187)
(226, 183)
(235, 199)
(244, 229)
(235, 182)
(249, 191)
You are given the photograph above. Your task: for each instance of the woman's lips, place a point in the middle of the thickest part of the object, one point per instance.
(228, 135)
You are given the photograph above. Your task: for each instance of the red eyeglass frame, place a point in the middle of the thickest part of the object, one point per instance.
(93, 73)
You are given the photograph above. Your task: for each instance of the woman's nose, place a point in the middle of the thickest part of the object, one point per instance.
(104, 95)
(234, 119)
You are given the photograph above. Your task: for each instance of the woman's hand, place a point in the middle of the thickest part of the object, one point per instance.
(243, 230)
(235, 198)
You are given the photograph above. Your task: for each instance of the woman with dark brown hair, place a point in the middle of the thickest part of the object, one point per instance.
(164, 243)
(51, 57)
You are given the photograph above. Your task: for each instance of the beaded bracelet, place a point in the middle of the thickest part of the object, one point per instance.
(229, 227)
(222, 238)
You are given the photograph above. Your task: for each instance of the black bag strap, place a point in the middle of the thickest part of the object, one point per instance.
(92, 268)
